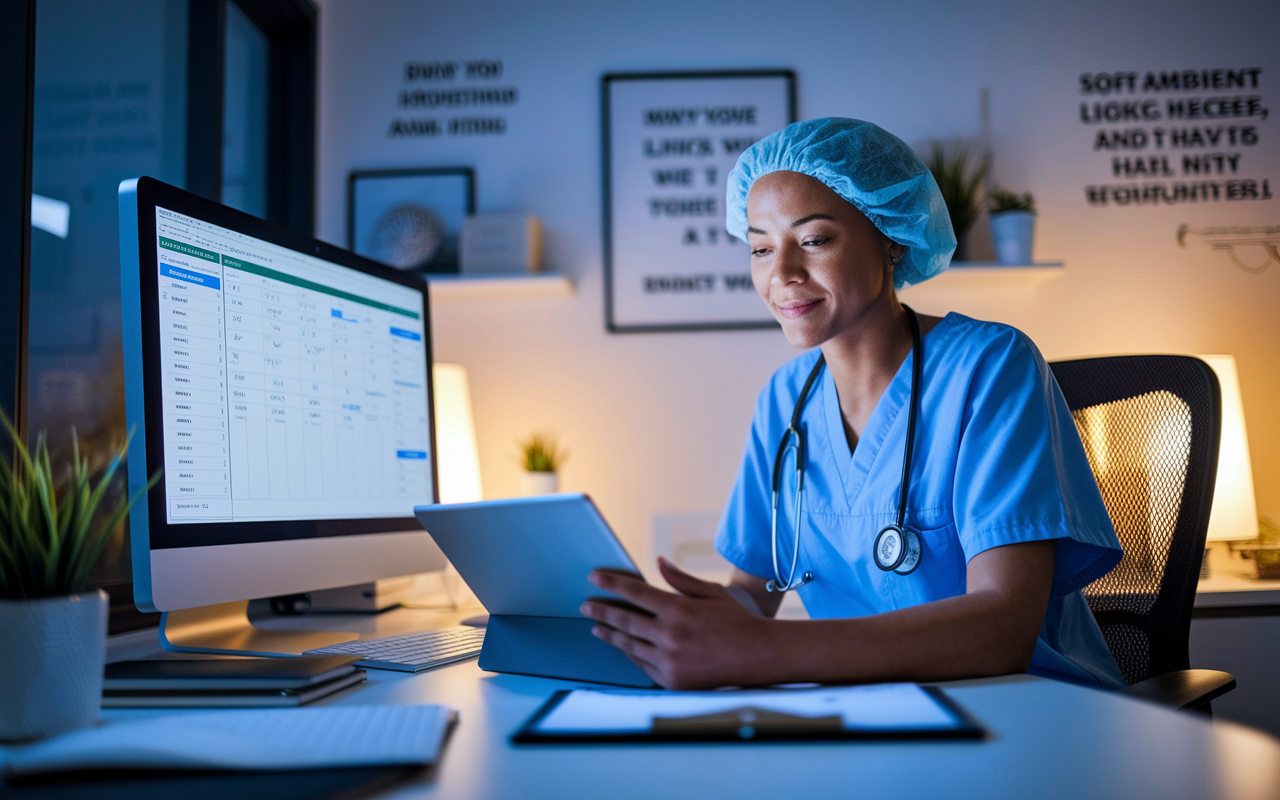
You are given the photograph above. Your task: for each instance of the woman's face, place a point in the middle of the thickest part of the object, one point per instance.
(817, 261)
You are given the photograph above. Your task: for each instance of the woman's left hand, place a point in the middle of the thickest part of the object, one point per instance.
(700, 638)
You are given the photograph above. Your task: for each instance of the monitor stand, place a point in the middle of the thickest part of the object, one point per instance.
(225, 629)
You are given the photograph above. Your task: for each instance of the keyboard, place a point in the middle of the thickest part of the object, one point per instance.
(412, 653)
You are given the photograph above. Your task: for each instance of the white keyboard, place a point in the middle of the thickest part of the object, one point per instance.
(412, 653)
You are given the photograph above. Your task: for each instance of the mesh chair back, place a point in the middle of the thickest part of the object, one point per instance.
(1150, 427)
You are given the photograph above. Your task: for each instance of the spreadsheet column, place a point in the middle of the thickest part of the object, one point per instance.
(247, 381)
(192, 368)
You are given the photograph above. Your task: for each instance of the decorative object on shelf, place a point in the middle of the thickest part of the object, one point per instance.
(53, 633)
(490, 287)
(1013, 225)
(1235, 510)
(541, 457)
(670, 140)
(410, 219)
(459, 461)
(501, 244)
(960, 175)
(1265, 554)
(1226, 238)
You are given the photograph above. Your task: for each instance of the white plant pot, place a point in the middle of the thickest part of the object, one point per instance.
(533, 484)
(51, 655)
(1013, 234)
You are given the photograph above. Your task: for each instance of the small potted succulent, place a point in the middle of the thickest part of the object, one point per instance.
(1013, 225)
(53, 632)
(1265, 552)
(541, 458)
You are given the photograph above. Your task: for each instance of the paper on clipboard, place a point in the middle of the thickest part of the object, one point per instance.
(889, 706)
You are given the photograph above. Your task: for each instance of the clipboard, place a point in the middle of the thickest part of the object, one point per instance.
(903, 711)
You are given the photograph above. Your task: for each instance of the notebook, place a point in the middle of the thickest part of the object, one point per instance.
(225, 673)
(258, 739)
(229, 698)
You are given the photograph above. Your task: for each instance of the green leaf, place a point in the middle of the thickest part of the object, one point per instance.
(540, 452)
(53, 532)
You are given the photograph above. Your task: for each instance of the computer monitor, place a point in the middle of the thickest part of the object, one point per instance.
(284, 386)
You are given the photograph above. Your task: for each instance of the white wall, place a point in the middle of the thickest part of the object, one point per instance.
(656, 422)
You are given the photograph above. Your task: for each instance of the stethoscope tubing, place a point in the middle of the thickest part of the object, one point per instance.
(913, 406)
(794, 431)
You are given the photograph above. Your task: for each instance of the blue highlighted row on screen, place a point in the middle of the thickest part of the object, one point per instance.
(418, 454)
(417, 337)
(170, 271)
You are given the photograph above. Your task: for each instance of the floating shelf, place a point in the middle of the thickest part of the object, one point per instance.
(975, 274)
(490, 287)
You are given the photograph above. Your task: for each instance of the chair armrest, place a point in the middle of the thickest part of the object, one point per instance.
(1184, 689)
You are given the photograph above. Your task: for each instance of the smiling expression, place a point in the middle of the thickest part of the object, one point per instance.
(817, 262)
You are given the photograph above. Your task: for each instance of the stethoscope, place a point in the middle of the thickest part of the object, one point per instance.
(897, 547)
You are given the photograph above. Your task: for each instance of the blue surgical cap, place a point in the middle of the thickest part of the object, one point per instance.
(869, 167)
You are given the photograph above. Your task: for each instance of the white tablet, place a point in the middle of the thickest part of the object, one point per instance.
(528, 556)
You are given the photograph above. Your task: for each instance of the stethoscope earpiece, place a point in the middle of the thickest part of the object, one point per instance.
(776, 586)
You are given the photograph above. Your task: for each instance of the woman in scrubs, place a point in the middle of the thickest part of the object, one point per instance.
(839, 214)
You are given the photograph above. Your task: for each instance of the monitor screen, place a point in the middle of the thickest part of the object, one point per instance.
(294, 388)
(282, 384)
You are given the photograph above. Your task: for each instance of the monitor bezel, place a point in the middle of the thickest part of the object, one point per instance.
(159, 534)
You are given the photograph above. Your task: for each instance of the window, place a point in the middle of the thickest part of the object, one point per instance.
(244, 115)
(121, 89)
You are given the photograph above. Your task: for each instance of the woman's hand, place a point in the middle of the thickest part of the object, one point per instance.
(701, 638)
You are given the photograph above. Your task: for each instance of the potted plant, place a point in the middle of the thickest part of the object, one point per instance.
(960, 176)
(53, 632)
(1013, 225)
(541, 457)
(1265, 551)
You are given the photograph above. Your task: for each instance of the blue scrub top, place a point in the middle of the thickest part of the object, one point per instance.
(997, 461)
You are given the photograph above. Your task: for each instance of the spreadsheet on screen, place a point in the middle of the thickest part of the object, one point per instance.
(294, 388)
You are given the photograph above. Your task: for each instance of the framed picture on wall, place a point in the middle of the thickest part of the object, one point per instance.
(670, 140)
(410, 219)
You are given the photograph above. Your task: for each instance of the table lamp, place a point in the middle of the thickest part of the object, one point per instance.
(1235, 511)
(459, 463)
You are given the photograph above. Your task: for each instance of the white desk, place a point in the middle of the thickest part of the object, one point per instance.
(1236, 596)
(1048, 740)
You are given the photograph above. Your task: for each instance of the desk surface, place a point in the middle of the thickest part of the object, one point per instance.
(1048, 740)
(1233, 590)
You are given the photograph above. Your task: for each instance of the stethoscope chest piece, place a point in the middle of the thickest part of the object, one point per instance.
(897, 549)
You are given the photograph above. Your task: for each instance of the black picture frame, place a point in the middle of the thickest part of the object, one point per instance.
(608, 81)
(410, 176)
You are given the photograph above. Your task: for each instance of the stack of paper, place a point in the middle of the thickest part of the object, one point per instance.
(260, 739)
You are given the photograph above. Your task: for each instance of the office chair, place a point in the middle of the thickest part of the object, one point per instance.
(1150, 427)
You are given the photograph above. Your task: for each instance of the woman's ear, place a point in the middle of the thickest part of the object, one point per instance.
(893, 253)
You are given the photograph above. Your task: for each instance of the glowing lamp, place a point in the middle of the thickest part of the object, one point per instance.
(1235, 511)
(458, 462)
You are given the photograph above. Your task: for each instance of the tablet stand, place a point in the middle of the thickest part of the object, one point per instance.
(556, 647)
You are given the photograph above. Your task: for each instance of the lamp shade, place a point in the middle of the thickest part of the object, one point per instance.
(457, 461)
(1235, 511)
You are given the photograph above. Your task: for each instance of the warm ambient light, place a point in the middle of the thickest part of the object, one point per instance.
(1235, 511)
(459, 463)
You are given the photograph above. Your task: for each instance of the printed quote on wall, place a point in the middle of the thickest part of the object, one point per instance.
(1178, 136)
